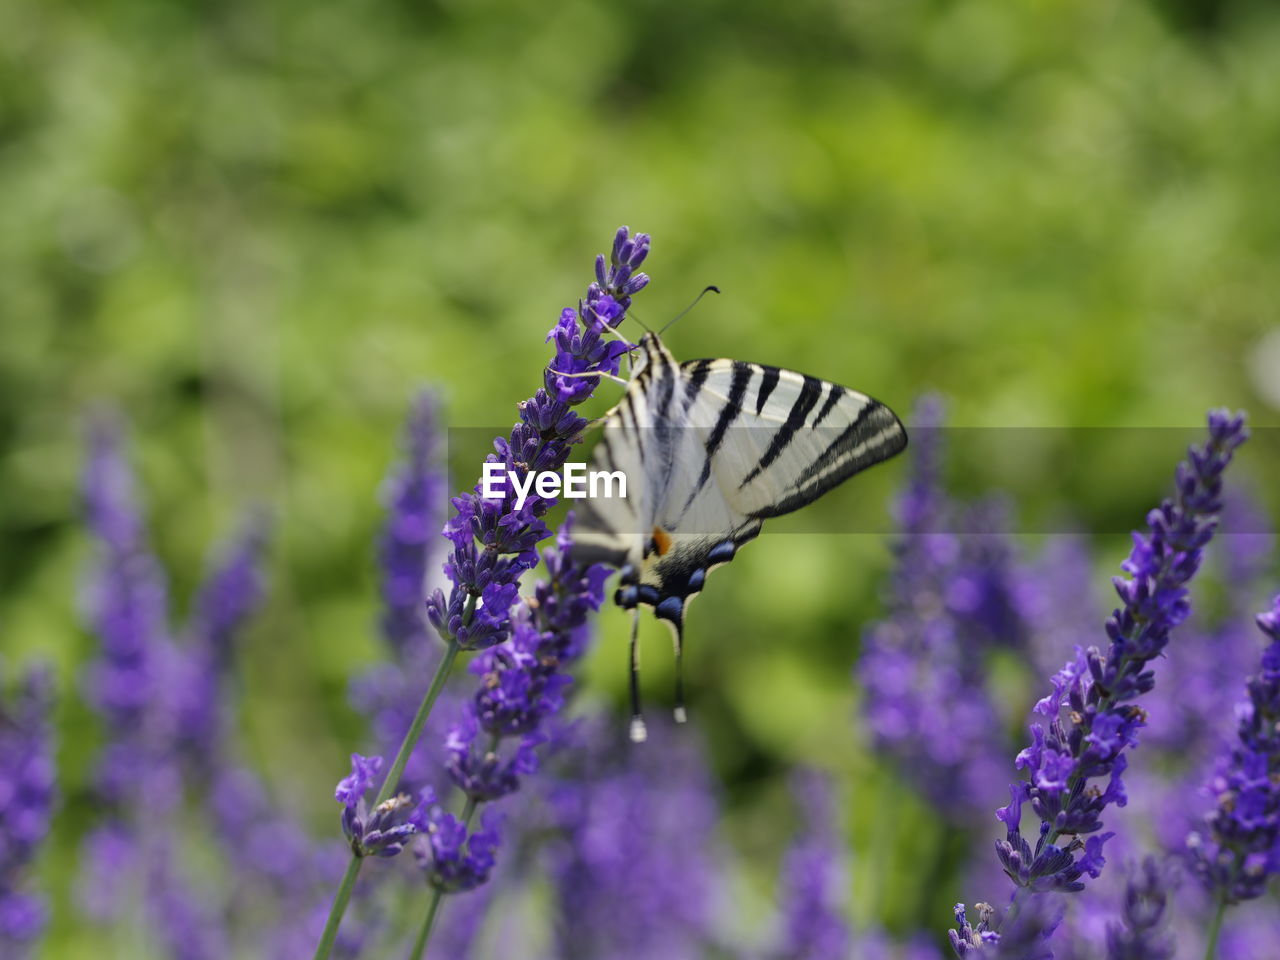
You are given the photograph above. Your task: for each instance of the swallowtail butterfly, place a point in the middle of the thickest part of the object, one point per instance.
(712, 449)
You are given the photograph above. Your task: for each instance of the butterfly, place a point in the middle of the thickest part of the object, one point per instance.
(712, 449)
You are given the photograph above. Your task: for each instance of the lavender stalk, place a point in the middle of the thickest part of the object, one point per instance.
(493, 543)
(1241, 851)
(26, 805)
(1097, 691)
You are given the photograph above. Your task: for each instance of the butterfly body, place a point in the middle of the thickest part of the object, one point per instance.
(712, 449)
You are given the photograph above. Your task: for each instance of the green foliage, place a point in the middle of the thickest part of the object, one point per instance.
(256, 228)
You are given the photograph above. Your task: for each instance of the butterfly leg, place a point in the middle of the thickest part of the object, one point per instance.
(598, 373)
(638, 732)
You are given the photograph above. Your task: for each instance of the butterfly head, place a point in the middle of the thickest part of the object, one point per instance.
(652, 353)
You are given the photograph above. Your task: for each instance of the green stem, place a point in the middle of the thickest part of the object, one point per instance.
(340, 900)
(343, 896)
(424, 934)
(420, 718)
(1215, 928)
(437, 895)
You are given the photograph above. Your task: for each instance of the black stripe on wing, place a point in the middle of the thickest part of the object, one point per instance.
(833, 397)
(730, 412)
(767, 383)
(807, 399)
(874, 435)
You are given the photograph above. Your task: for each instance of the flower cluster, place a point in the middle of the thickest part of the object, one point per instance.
(1023, 934)
(493, 541)
(526, 650)
(1242, 849)
(389, 692)
(452, 859)
(813, 883)
(952, 601)
(1097, 690)
(1140, 934)
(631, 857)
(414, 496)
(26, 804)
(383, 831)
(165, 700)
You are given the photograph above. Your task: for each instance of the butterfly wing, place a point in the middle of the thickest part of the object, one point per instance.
(717, 447)
(781, 439)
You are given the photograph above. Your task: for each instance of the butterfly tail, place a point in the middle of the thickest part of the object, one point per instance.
(638, 732)
(671, 612)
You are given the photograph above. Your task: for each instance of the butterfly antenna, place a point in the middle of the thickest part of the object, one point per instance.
(632, 315)
(638, 732)
(705, 291)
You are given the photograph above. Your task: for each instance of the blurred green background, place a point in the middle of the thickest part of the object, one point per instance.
(258, 228)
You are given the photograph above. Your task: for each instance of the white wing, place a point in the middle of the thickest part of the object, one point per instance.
(711, 449)
(776, 440)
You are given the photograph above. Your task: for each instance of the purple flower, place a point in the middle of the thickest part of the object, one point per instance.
(924, 669)
(631, 860)
(383, 831)
(1140, 934)
(1019, 934)
(523, 680)
(389, 692)
(191, 701)
(1096, 690)
(187, 922)
(813, 883)
(414, 499)
(1241, 851)
(493, 540)
(1087, 744)
(126, 600)
(230, 594)
(452, 858)
(486, 775)
(26, 805)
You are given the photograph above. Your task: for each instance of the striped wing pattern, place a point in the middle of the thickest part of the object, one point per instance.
(711, 449)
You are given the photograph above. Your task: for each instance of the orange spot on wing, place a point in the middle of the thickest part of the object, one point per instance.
(661, 541)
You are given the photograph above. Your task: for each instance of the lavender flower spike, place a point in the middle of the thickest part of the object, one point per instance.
(26, 804)
(414, 497)
(814, 925)
(1097, 690)
(1140, 936)
(385, 830)
(1242, 850)
(494, 542)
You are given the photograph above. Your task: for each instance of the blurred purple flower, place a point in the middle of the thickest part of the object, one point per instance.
(415, 497)
(26, 805)
(127, 599)
(1241, 850)
(188, 922)
(953, 600)
(166, 705)
(632, 863)
(813, 884)
(1140, 935)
